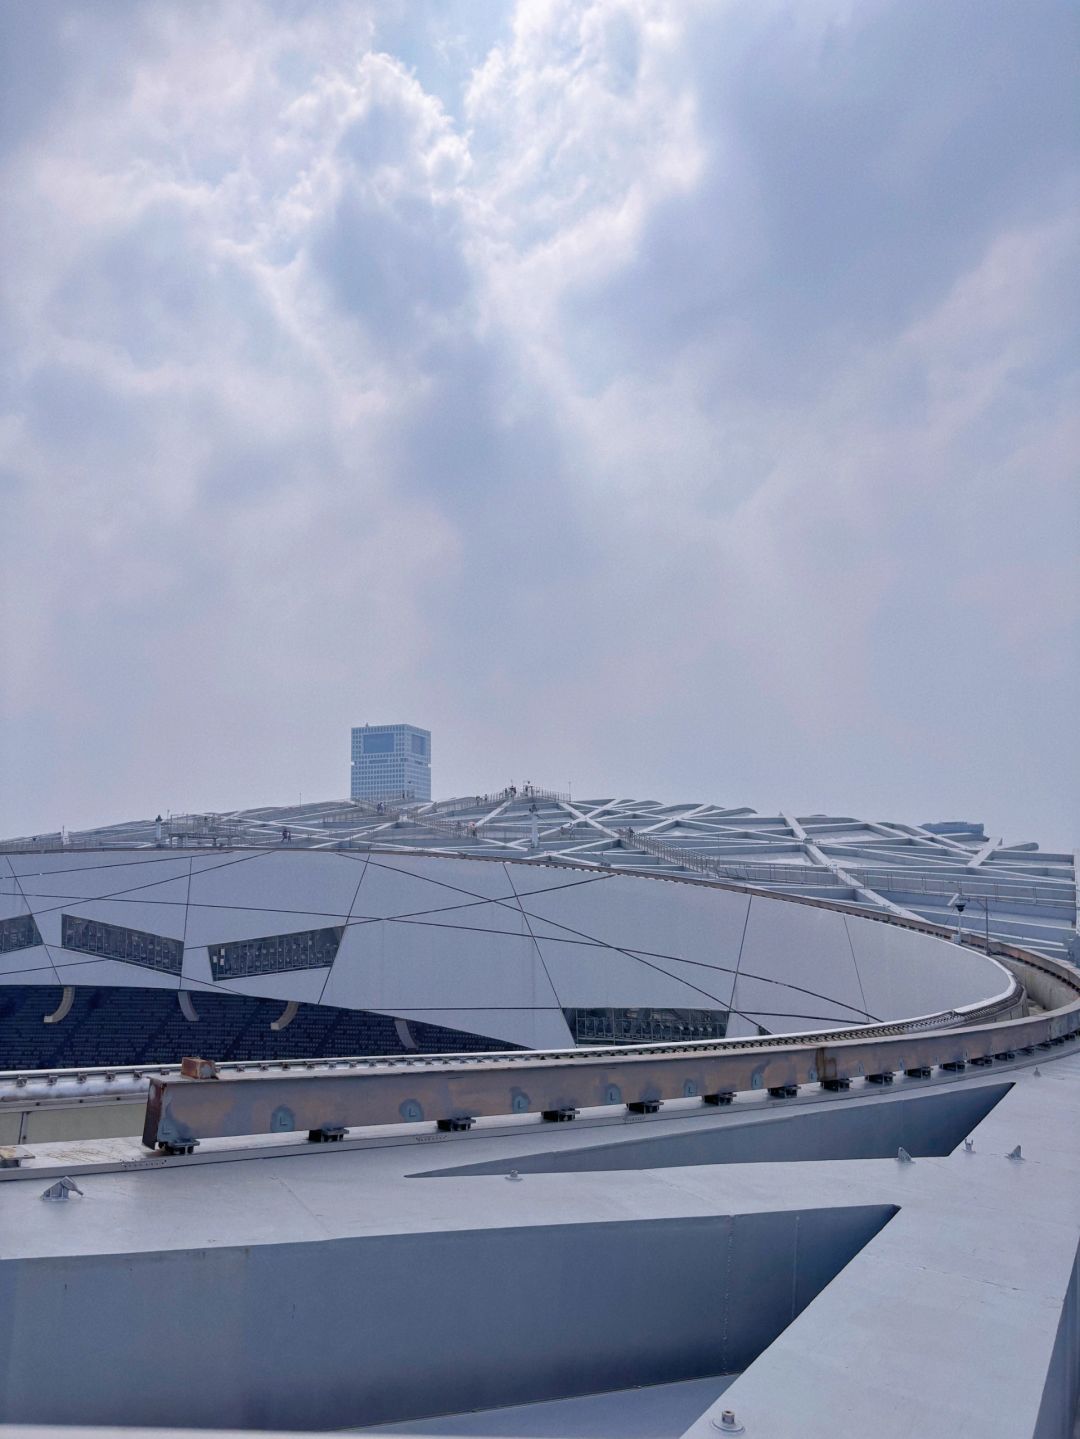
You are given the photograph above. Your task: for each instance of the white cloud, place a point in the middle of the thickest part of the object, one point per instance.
(678, 396)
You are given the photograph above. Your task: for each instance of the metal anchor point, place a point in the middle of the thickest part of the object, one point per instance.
(62, 1189)
(728, 1424)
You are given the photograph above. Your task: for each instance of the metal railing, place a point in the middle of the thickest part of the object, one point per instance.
(457, 1089)
(746, 872)
(57, 1087)
(464, 803)
(199, 829)
(363, 812)
(974, 885)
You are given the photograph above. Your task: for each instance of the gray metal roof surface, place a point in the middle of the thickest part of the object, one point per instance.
(944, 1319)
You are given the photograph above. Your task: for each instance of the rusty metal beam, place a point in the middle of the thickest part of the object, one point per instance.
(452, 1088)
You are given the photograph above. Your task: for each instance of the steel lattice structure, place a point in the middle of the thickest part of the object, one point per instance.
(1015, 892)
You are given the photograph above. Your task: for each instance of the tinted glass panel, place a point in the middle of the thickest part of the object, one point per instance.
(112, 941)
(378, 744)
(642, 1026)
(418, 744)
(308, 949)
(18, 933)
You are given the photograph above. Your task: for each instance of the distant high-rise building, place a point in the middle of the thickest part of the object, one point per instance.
(391, 761)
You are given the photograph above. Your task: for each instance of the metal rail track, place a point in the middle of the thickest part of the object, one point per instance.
(43, 1087)
(454, 1090)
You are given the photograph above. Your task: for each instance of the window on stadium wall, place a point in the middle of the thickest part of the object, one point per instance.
(113, 941)
(641, 1026)
(306, 949)
(18, 933)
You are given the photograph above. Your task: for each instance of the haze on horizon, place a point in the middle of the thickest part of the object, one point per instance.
(676, 399)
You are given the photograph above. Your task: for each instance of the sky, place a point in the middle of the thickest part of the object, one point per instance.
(671, 400)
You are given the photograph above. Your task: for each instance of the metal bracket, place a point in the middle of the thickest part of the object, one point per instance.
(177, 1146)
(62, 1189)
(192, 1068)
(327, 1134)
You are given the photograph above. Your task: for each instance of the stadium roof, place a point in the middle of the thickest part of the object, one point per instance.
(768, 1235)
(1017, 891)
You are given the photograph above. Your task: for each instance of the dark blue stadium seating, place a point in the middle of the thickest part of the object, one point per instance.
(146, 1026)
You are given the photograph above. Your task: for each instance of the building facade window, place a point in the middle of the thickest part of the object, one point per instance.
(391, 762)
(644, 1026)
(113, 941)
(306, 949)
(19, 933)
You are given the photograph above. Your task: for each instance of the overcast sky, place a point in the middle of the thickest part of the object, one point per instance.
(677, 399)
